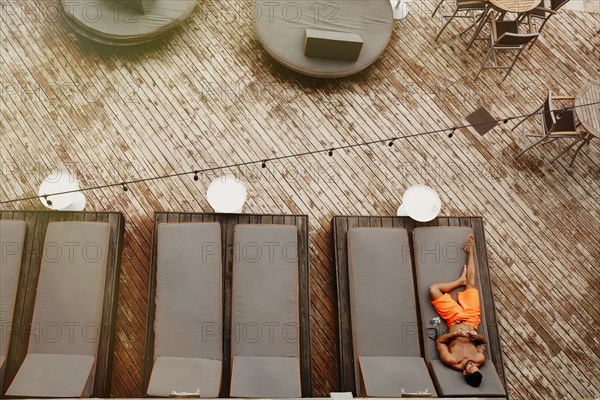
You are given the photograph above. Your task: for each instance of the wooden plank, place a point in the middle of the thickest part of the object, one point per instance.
(214, 98)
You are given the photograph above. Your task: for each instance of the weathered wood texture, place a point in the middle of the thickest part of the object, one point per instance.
(33, 251)
(209, 95)
(228, 223)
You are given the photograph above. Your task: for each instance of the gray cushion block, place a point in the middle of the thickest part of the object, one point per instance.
(185, 375)
(265, 311)
(188, 291)
(12, 236)
(332, 45)
(452, 383)
(52, 375)
(266, 377)
(394, 376)
(71, 289)
(382, 293)
(265, 291)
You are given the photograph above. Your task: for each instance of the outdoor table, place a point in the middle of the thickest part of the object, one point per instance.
(506, 6)
(421, 203)
(589, 116)
(281, 30)
(227, 194)
(58, 183)
(514, 6)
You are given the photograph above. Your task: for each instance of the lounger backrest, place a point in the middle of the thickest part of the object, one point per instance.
(12, 236)
(384, 315)
(439, 257)
(67, 314)
(265, 311)
(188, 293)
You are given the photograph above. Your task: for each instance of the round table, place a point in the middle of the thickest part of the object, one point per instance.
(514, 6)
(110, 22)
(58, 183)
(421, 203)
(227, 194)
(589, 116)
(281, 29)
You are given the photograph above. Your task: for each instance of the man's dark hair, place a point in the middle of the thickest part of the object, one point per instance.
(474, 379)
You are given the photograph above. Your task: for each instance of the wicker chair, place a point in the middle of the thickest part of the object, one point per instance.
(463, 9)
(505, 36)
(543, 14)
(557, 125)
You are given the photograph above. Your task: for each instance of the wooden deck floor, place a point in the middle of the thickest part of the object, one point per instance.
(209, 95)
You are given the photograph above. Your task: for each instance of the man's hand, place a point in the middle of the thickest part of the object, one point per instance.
(477, 338)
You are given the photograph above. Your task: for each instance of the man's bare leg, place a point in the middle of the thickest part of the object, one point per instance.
(437, 290)
(471, 269)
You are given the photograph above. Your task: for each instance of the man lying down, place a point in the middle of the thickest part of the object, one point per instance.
(461, 348)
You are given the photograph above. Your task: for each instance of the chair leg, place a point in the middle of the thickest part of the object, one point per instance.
(482, 23)
(539, 31)
(585, 141)
(531, 146)
(437, 7)
(527, 117)
(474, 24)
(484, 62)
(569, 147)
(446, 24)
(513, 63)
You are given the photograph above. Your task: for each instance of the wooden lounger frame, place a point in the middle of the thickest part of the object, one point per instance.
(339, 230)
(35, 233)
(228, 223)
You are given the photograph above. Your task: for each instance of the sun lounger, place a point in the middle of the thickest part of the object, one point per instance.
(12, 236)
(385, 332)
(265, 312)
(67, 316)
(187, 331)
(439, 257)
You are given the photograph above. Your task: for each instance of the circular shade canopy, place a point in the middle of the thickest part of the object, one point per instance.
(115, 22)
(421, 203)
(58, 183)
(281, 29)
(227, 194)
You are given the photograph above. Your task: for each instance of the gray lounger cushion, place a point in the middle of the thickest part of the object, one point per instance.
(53, 375)
(265, 312)
(440, 257)
(12, 236)
(188, 328)
(394, 376)
(70, 294)
(185, 375)
(109, 20)
(250, 375)
(384, 317)
(453, 383)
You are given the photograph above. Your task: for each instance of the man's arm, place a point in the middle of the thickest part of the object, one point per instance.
(442, 347)
(448, 337)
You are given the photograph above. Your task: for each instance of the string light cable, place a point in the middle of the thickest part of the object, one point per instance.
(449, 131)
